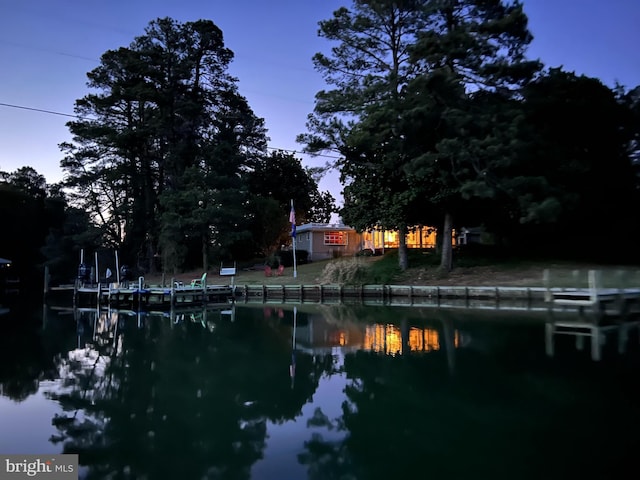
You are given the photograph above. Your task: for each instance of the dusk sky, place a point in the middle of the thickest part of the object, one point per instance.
(48, 46)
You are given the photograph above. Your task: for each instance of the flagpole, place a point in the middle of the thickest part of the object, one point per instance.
(292, 218)
(295, 269)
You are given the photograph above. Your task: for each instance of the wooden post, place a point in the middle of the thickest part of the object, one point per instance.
(117, 268)
(97, 276)
(46, 280)
(595, 283)
(576, 278)
(548, 337)
(546, 283)
(595, 343)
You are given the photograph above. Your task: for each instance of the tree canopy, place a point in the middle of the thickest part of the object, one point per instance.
(440, 119)
(165, 150)
(436, 114)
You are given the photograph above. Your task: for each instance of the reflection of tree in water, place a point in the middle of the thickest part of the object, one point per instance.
(179, 400)
(413, 415)
(27, 353)
(503, 414)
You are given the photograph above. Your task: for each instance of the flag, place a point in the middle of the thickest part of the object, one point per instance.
(292, 219)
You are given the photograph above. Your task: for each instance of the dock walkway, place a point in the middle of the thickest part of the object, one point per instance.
(141, 295)
(595, 299)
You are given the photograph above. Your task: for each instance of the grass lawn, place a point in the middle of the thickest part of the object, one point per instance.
(471, 270)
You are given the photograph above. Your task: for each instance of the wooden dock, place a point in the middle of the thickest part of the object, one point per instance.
(142, 296)
(595, 299)
(600, 302)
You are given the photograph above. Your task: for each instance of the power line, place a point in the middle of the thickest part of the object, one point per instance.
(40, 110)
(62, 114)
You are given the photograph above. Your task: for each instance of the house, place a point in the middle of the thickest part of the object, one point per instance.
(419, 237)
(326, 240)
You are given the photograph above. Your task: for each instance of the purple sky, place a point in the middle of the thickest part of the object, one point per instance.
(47, 46)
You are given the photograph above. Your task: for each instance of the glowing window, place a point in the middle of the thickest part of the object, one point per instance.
(335, 238)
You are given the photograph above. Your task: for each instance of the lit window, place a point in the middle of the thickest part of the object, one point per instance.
(335, 238)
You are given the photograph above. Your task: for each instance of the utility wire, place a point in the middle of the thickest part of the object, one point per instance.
(61, 114)
(40, 110)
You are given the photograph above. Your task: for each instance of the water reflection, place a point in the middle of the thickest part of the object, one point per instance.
(174, 385)
(321, 392)
(598, 334)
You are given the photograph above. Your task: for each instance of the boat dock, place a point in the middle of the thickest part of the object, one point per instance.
(589, 299)
(596, 300)
(142, 296)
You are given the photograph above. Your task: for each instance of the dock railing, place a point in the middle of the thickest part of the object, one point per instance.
(604, 292)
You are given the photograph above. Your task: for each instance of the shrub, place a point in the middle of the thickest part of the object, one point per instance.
(346, 272)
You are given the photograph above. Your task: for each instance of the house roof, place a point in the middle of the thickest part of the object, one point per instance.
(323, 227)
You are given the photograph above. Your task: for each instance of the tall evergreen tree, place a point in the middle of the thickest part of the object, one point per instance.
(473, 53)
(368, 69)
(165, 110)
(408, 80)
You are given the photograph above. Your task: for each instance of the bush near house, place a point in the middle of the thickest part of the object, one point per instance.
(346, 272)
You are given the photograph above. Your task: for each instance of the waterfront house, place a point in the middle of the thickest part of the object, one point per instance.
(327, 240)
(331, 240)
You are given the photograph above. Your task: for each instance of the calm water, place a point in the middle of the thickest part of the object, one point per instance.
(261, 392)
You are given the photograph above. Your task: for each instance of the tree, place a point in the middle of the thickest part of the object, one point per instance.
(473, 52)
(322, 207)
(573, 172)
(631, 100)
(166, 111)
(31, 211)
(407, 75)
(274, 181)
(27, 180)
(368, 69)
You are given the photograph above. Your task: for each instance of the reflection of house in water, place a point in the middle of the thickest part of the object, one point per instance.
(388, 339)
(319, 335)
